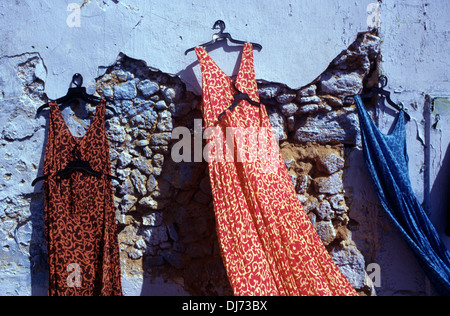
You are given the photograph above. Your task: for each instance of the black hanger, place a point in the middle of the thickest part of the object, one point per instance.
(78, 92)
(237, 98)
(222, 36)
(74, 165)
(383, 80)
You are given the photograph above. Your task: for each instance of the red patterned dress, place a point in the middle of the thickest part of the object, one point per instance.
(267, 242)
(83, 253)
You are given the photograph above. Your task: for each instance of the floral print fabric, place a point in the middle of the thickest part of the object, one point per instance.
(267, 242)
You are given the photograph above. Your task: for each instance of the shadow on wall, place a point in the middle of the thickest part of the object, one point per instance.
(38, 244)
(440, 200)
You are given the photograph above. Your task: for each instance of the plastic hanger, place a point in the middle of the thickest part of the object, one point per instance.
(383, 80)
(78, 92)
(76, 165)
(222, 36)
(237, 98)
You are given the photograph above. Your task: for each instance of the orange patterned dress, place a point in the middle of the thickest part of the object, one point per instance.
(81, 229)
(267, 242)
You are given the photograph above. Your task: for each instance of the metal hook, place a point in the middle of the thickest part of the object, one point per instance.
(219, 24)
(77, 80)
(383, 81)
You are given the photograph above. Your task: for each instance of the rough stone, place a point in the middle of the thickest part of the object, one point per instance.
(139, 181)
(154, 261)
(333, 127)
(124, 160)
(158, 160)
(289, 109)
(311, 204)
(160, 139)
(330, 164)
(127, 187)
(291, 123)
(142, 164)
(326, 232)
(180, 109)
(172, 94)
(307, 91)
(183, 175)
(312, 218)
(309, 99)
(149, 202)
(19, 128)
(324, 211)
(330, 185)
(205, 186)
(154, 219)
(163, 191)
(148, 152)
(155, 236)
(313, 108)
(108, 93)
(202, 198)
(161, 105)
(338, 204)
(115, 131)
(341, 83)
(151, 183)
(165, 121)
(123, 76)
(286, 97)
(351, 263)
(142, 143)
(173, 234)
(138, 121)
(332, 101)
(303, 183)
(278, 123)
(183, 197)
(127, 203)
(135, 254)
(150, 117)
(269, 91)
(148, 87)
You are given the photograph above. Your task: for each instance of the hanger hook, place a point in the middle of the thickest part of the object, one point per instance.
(383, 81)
(219, 24)
(77, 80)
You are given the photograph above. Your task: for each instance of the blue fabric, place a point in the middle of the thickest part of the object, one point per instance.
(387, 160)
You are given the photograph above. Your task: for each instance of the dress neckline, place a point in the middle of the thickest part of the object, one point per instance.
(398, 122)
(66, 127)
(247, 47)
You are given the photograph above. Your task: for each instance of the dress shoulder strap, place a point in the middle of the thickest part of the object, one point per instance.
(246, 79)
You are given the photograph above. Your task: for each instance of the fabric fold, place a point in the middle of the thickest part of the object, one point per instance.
(267, 242)
(387, 161)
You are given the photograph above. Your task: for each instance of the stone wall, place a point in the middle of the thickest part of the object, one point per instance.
(164, 209)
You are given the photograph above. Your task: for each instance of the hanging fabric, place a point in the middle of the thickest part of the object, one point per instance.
(83, 251)
(387, 160)
(267, 242)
